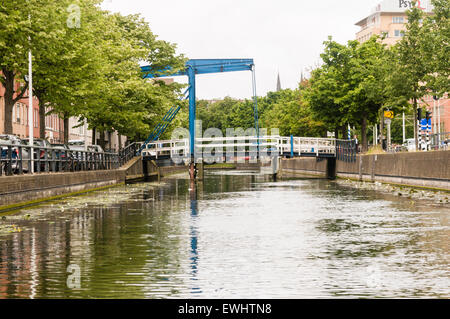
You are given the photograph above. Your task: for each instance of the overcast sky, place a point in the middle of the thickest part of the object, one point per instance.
(281, 36)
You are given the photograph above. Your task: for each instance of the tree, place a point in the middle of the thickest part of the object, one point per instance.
(366, 92)
(124, 101)
(291, 115)
(328, 85)
(14, 46)
(436, 47)
(67, 65)
(408, 79)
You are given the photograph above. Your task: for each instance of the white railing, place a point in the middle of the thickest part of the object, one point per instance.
(273, 144)
(308, 145)
(167, 148)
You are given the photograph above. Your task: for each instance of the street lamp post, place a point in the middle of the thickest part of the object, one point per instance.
(30, 106)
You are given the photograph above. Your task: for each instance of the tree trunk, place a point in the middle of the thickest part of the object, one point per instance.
(364, 144)
(94, 133)
(120, 140)
(344, 132)
(102, 141)
(9, 101)
(41, 118)
(66, 129)
(336, 133)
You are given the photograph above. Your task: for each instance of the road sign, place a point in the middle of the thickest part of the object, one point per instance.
(425, 125)
(389, 114)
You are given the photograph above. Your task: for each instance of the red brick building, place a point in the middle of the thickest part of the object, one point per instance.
(54, 126)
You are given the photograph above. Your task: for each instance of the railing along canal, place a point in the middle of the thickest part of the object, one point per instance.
(16, 159)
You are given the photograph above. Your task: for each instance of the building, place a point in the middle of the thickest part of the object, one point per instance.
(278, 82)
(388, 19)
(79, 131)
(20, 115)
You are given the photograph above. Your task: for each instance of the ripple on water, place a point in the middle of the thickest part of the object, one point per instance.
(236, 235)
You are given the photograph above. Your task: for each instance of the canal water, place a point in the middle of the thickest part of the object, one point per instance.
(235, 235)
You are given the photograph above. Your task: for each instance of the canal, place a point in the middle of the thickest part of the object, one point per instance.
(235, 235)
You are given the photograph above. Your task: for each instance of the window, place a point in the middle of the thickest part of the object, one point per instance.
(397, 19)
(399, 33)
(36, 118)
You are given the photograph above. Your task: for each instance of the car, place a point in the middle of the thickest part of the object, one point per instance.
(64, 154)
(77, 145)
(44, 147)
(14, 141)
(410, 144)
(95, 148)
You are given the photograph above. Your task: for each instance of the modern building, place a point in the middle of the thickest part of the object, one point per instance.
(388, 18)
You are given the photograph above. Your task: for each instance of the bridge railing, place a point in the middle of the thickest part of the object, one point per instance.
(128, 152)
(170, 148)
(243, 146)
(307, 145)
(238, 146)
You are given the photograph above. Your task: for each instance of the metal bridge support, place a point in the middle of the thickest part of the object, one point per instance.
(192, 111)
(331, 168)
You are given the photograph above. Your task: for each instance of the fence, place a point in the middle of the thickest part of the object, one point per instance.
(16, 159)
(440, 141)
(346, 150)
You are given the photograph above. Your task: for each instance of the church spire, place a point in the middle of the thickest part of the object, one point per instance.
(278, 82)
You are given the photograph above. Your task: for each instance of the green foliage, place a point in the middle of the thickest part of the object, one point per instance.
(287, 111)
(436, 47)
(88, 64)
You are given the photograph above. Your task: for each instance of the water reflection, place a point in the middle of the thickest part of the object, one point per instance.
(234, 235)
(194, 234)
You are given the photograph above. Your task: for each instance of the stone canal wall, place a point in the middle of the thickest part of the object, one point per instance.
(15, 190)
(19, 190)
(423, 169)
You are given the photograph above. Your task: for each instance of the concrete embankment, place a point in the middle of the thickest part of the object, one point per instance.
(22, 190)
(421, 169)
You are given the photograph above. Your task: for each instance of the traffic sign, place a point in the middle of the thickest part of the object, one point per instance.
(425, 125)
(389, 114)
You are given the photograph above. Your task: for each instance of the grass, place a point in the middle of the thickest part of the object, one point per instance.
(377, 149)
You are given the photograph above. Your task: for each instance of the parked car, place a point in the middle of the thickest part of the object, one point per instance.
(95, 148)
(65, 155)
(40, 143)
(13, 141)
(410, 144)
(77, 145)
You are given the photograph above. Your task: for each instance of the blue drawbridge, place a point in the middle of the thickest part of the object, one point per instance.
(192, 68)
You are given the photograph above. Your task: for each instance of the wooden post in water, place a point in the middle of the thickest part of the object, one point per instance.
(200, 170)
